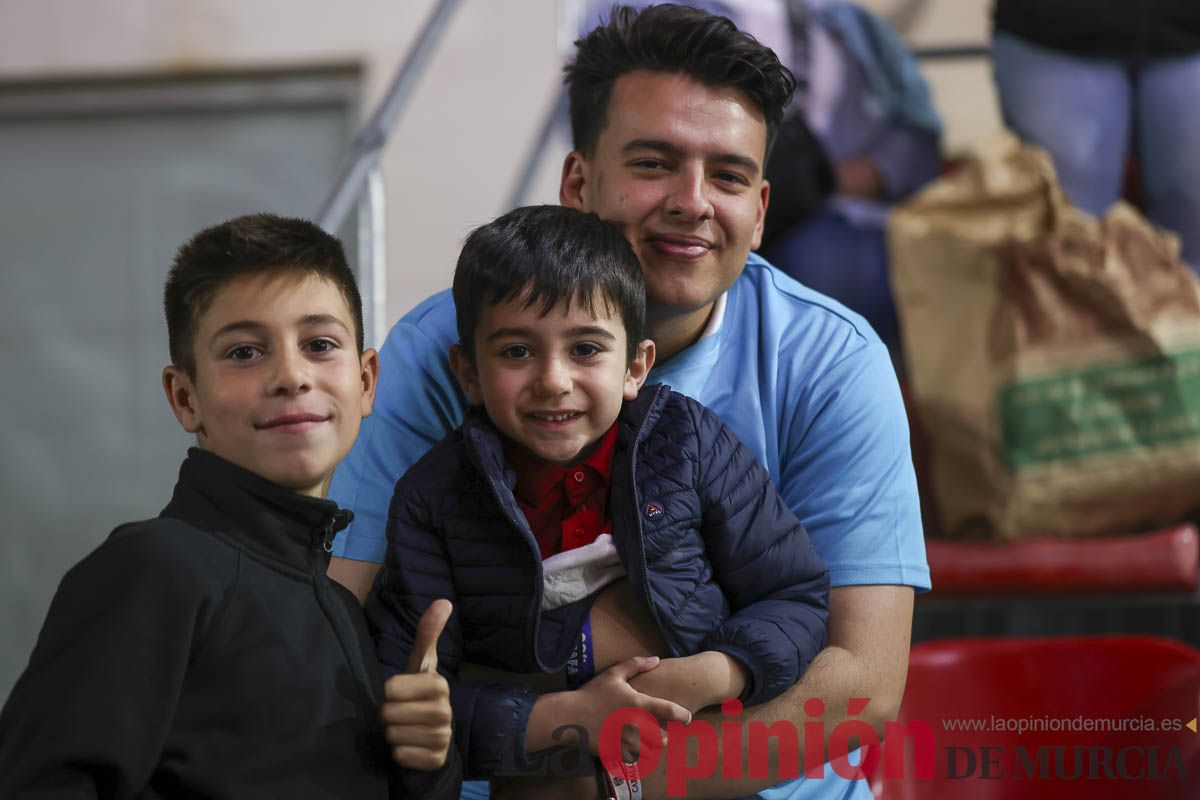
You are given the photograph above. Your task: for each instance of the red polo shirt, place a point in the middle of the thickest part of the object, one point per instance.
(567, 507)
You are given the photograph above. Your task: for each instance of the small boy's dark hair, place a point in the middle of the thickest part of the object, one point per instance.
(248, 245)
(674, 39)
(549, 256)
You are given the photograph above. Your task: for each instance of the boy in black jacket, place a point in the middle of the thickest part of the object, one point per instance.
(569, 476)
(204, 653)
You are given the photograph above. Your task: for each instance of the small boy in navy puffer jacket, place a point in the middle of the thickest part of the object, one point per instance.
(569, 477)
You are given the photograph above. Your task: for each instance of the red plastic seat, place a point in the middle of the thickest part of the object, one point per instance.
(1162, 561)
(1068, 682)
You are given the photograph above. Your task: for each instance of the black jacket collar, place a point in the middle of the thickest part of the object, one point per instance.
(271, 520)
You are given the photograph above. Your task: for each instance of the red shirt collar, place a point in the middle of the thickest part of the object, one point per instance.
(536, 478)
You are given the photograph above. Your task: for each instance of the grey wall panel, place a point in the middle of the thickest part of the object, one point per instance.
(93, 204)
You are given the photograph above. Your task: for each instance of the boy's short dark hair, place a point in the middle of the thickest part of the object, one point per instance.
(248, 245)
(551, 256)
(671, 38)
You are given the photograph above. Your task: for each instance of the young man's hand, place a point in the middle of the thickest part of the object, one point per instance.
(416, 707)
(859, 177)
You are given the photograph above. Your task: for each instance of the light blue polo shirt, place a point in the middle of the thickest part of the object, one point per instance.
(804, 383)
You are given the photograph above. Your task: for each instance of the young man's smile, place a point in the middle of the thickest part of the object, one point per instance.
(679, 247)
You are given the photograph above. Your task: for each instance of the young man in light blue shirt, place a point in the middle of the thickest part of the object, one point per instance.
(672, 113)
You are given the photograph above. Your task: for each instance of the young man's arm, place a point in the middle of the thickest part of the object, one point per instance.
(869, 632)
(92, 711)
(867, 657)
(846, 471)
(771, 576)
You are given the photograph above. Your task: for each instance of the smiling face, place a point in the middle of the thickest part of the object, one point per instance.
(678, 167)
(552, 383)
(279, 387)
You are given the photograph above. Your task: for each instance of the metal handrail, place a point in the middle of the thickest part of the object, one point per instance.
(362, 170)
(372, 259)
(370, 141)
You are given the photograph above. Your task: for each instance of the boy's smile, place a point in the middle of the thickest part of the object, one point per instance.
(552, 383)
(279, 387)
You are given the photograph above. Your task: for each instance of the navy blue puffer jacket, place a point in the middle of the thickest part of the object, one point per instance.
(721, 561)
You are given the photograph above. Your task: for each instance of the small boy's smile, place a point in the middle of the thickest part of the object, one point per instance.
(554, 419)
(554, 382)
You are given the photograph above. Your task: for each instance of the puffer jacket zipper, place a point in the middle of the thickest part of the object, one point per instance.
(533, 621)
(637, 515)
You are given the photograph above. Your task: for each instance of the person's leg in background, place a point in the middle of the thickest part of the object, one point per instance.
(1078, 109)
(1167, 114)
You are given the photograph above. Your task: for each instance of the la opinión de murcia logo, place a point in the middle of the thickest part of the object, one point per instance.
(738, 748)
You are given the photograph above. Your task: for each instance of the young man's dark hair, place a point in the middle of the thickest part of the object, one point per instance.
(247, 245)
(671, 38)
(549, 255)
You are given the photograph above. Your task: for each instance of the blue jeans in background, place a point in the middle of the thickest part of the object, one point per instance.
(1090, 113)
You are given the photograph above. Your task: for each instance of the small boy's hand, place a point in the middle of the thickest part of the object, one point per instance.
(695, 681)
(416, 708)
(612, 690)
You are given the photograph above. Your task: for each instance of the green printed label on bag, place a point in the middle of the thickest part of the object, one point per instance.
(1101, 409)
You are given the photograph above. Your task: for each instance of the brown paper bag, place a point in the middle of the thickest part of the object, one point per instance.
(1053, 358)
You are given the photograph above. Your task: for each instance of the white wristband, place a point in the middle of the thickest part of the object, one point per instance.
(627, 785)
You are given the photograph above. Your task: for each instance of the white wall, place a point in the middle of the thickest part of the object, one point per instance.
(962, 89)
(460, 145)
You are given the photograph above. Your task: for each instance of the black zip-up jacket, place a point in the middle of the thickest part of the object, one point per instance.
(205, 653)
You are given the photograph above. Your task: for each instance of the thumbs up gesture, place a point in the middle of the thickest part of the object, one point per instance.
(416, 705)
